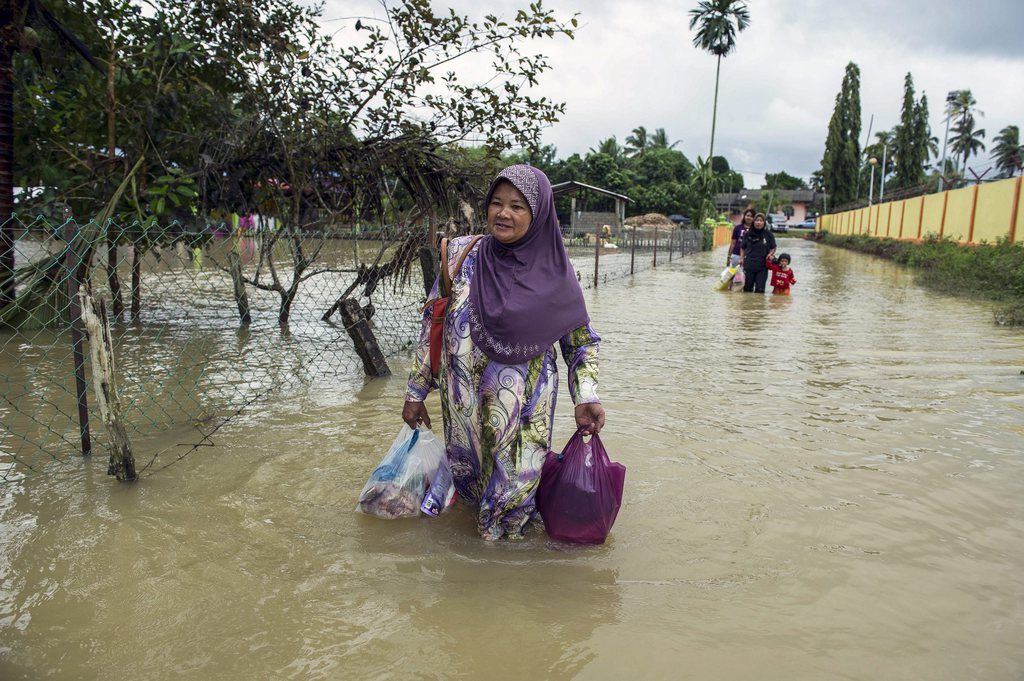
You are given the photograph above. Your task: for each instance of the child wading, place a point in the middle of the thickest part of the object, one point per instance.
(782, 275)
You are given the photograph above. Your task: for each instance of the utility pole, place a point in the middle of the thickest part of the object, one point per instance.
(871, 190)
(881, 190)
(950, 98)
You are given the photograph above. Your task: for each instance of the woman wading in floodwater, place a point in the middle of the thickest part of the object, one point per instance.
(757, 245)
(514, 296)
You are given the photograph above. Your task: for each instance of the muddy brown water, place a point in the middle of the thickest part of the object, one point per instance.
(823, 486)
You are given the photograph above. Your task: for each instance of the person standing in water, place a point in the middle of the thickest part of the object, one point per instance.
(757, 245)
(514, 297)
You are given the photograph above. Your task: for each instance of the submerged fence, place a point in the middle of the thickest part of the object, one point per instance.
(213, 324)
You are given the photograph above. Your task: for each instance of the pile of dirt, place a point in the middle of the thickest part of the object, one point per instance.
(650, 220)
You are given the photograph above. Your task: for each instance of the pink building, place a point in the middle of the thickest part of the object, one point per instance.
(795, 203)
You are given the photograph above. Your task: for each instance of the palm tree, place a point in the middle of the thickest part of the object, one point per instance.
(659, 140)
(964, 104)
(967, 140)
(638, 142)
(608, 146)
(1008, 152)
(717, 23)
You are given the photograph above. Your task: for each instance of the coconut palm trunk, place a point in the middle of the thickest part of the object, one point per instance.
(714, 109)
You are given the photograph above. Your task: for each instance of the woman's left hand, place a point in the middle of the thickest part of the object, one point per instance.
(590, 418)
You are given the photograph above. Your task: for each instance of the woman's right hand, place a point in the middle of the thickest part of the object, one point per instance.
(415, 412)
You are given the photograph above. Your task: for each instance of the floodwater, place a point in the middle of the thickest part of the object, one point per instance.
(822, 486)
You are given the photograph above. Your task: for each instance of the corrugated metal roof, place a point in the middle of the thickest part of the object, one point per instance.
(573, 185)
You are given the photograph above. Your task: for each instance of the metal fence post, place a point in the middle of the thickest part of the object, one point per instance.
(655, 246)
(74, 270)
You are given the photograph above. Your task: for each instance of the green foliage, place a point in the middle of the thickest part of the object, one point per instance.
(782, 180)
(704, 184)
(967, 137)
(841, 162)
(248, 99)
(994, 272)
(638, 142)
(659, 140)
(1008, 152)
(717, 22)
(910, 140)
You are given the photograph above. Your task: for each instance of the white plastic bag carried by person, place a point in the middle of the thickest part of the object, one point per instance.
(397, 486)
(726, 277)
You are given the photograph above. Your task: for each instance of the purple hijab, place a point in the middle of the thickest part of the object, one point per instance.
(524, 296)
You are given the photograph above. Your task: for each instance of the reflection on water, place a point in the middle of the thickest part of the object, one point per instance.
(821, 486)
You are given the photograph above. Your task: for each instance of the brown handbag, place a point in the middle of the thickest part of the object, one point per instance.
(439, 306)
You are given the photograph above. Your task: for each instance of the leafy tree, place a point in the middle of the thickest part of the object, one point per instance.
(910, 138)
(841, 161)
(817, 181)
(236, 105)
(1008, 152)
(717, 23)
(731, 181)
(542, 157)
(782, 180)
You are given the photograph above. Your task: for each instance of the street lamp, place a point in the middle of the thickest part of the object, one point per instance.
(871, 192)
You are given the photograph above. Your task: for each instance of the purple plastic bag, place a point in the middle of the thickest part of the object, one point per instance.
(580, 492)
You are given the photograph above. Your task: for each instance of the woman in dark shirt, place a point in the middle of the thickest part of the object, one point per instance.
(757, 245)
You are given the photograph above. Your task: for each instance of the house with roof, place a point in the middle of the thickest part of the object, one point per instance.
(795, 203)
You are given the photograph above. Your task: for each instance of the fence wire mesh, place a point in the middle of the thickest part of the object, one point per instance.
(176, 296)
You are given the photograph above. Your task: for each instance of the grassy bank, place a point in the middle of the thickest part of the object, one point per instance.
(990, 272)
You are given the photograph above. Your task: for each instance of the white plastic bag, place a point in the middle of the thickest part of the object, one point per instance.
(725, 278)
(398, 484)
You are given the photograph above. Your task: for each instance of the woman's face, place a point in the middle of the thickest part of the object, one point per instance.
(748, 219)
(508, 215)
(758, 223)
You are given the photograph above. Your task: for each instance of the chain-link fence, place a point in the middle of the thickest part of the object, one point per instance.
(208, 322)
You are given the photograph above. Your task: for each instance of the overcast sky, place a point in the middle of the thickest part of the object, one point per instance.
(632, 63)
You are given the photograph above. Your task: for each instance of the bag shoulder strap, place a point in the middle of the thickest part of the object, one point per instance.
(446, 276)
(445, 283)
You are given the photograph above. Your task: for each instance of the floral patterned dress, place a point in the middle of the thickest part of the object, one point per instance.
(497, 417)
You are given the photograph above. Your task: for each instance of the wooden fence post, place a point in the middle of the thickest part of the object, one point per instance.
(101, 352)
(597, 251)
(75, 269)
(655, 246)
(362, 336)
(632, 250)
(428, 264)
(235, 266)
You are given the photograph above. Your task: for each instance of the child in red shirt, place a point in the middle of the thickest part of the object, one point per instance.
(782, 276)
